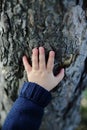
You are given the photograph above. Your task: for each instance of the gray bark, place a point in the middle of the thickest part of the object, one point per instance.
(56, 25)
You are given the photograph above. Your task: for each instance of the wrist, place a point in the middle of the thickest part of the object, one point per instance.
(36, 93)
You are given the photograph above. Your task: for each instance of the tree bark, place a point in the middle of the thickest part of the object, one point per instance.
(56, 25)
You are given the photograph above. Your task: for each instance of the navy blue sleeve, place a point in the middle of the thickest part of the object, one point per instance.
(28, 109)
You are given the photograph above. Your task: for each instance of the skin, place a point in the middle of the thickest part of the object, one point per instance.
(41, 73)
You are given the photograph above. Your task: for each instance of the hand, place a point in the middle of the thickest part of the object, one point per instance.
(41, 73)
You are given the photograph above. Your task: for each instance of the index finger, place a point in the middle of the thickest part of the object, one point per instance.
(50, 62)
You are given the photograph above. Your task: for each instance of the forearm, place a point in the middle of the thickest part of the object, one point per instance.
(28, 109)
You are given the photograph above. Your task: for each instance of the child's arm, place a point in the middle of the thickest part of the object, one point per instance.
(28, 109)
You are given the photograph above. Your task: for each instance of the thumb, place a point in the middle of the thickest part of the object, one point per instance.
(60, 75)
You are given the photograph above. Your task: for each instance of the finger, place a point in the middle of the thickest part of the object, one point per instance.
(35, 59)
(27, 66)
(60, 76)
(42, 64)
(50, 62)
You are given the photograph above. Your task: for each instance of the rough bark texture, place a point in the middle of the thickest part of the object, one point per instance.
(58, 25)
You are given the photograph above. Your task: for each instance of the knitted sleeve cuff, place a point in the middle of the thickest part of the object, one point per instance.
(35, 93)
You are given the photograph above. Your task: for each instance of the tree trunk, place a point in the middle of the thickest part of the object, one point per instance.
(58, 25)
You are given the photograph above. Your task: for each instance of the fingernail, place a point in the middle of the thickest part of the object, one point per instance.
(62, 69)
(41, 49)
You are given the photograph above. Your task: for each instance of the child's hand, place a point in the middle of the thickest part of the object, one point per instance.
(41, 73)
